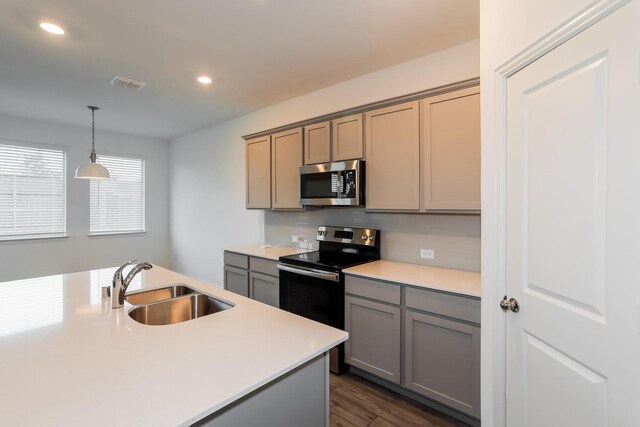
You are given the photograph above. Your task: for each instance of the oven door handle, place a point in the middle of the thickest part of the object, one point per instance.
(318, 274)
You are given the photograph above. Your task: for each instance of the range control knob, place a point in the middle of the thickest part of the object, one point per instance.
(364, 237)
(372, 238)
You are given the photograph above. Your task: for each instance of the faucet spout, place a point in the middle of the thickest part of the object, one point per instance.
(135, 270)
(121, 284)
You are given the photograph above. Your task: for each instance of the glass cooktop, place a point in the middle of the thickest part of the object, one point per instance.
(330, 261)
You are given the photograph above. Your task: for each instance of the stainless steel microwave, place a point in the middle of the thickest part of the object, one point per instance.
(332, 184)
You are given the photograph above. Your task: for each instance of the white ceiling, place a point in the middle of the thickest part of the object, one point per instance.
(259, 52)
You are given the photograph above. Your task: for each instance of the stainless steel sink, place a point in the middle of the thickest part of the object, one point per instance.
(178, 309)
(159, 294)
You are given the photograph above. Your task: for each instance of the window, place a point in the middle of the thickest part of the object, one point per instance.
(117, 204)
(32, 192)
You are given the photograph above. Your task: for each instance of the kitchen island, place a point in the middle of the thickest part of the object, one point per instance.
(69, 359)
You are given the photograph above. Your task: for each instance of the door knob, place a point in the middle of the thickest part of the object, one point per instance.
(509, 304)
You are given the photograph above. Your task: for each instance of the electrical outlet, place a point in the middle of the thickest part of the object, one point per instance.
(427, 253)
(295, 238)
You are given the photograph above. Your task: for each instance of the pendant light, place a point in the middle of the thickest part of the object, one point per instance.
(92, 170)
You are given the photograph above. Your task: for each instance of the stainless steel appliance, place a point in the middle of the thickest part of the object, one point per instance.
(312, 283)
(333, 184)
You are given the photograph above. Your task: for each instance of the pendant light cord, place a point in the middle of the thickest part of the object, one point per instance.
(93, 129)
(93, 157)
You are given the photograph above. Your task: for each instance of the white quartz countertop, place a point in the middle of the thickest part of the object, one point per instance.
(266, 251)
(67, 358)
(442, 279)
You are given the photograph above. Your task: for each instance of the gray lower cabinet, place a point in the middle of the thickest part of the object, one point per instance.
(374, 337)
(424, 340)
(236, 280)
(252, 277)
(442, 360)
(264, 288)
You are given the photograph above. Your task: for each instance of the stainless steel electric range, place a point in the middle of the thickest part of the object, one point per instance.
(312, 283)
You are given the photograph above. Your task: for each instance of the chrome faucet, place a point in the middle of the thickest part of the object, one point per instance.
(121, 284)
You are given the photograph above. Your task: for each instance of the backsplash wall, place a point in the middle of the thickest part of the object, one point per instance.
(455, 238)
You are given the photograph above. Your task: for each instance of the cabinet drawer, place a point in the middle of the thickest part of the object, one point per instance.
(264, 266)
(236, 260)
(381, 291)
(456, 306)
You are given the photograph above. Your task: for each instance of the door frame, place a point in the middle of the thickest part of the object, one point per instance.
(494, 226)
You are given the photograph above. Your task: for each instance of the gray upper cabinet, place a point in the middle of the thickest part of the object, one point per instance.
(258, 173)
(442, 361)
(317, 143)
(334, 141)
(450, 125)
(286, 160)
(393, 158)
(422, 156)
(348, 142)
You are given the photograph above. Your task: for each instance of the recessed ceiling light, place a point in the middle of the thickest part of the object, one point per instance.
(51, 28)
(204, 80)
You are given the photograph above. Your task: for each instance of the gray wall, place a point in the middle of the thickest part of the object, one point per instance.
(32, 258)
(455, 238)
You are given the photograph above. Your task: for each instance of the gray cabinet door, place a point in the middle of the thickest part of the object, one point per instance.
(393, 157)
(317, 143)
(264, 288)
(236, 280)
(374, 337)
(258, 171)
(442, 361)
(348, 142)
(451, 151)
(286, 159)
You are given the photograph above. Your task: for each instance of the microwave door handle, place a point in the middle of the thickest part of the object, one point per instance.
(324, 275)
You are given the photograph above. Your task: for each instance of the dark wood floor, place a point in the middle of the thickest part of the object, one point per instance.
(358, 402)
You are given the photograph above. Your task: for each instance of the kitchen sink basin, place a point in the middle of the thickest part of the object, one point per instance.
(159, 294)
(178, 309)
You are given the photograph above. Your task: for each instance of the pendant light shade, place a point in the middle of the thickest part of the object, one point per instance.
(92, 170)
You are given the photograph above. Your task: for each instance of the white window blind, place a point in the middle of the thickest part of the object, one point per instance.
(32, 192)
(117, 204)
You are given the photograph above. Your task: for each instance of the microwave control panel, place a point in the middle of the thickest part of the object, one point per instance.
(349, 179)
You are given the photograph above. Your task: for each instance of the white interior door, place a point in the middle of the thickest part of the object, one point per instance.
(573, 231)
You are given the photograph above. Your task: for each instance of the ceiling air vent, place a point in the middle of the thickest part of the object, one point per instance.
(128, 83)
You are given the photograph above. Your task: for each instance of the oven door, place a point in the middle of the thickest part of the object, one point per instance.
(315, 294)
